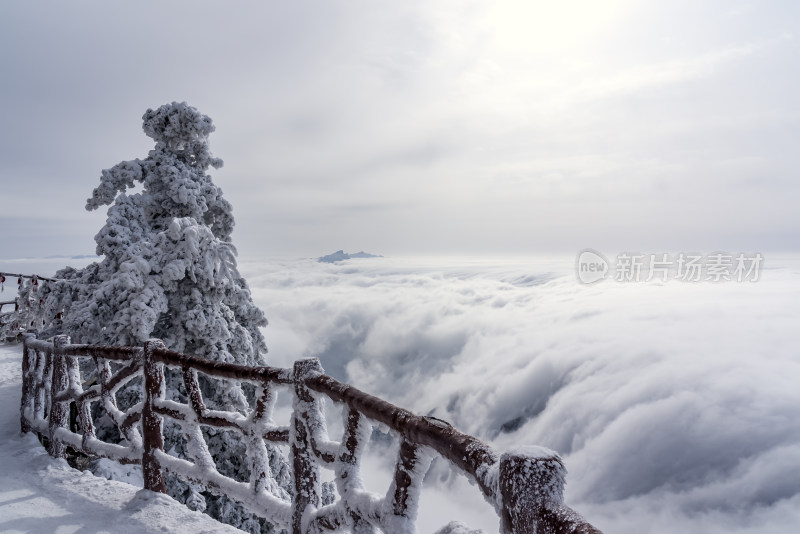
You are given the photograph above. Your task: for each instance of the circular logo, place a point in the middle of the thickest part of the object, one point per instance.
(591, 266)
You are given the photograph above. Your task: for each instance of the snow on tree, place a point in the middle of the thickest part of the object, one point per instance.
(168, 271)
(25, 311)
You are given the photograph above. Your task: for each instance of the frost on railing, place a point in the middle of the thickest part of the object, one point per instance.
(9, 324)
(20, 314)
(525, 486)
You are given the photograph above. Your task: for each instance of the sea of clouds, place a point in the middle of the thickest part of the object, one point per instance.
(675, 405)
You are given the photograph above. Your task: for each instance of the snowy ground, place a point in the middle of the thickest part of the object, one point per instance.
(41, 494)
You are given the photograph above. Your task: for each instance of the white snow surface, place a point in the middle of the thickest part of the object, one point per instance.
(41, 494)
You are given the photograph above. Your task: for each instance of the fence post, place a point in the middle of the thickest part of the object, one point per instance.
(27, 385)
(59, 411)
(412, 462)
(530, 479)
(151, 421)
(43, 378)
(306, 476)
(356, 435)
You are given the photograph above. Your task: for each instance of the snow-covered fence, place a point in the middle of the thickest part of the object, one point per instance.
(4, 316)
(525, 486)
(15, 321)
(7, 316)
(33, 278)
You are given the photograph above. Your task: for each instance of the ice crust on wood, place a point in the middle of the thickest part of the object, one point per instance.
(544, 470)
(456, 527)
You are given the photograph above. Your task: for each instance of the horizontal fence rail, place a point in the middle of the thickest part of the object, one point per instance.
(525, 486)
(21, 277)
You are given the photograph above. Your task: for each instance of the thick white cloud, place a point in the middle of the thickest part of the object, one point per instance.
(674, 404)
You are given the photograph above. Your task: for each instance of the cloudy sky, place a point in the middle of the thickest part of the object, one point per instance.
(418, 127)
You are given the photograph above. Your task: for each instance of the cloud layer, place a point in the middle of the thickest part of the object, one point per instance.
(673, 404)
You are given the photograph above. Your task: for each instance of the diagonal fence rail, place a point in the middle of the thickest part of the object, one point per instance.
(525, 486)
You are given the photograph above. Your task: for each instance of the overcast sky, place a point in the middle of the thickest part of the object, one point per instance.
(419, 127)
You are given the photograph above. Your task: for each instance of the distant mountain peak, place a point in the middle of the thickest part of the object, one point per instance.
(341, 255)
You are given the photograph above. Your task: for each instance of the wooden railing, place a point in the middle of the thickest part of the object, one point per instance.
(20, 277)
(9, 327)
(14, 303)
(524, 486)
(12, 323)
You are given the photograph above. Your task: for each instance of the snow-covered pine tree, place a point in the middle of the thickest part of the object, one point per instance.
(168, 271)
